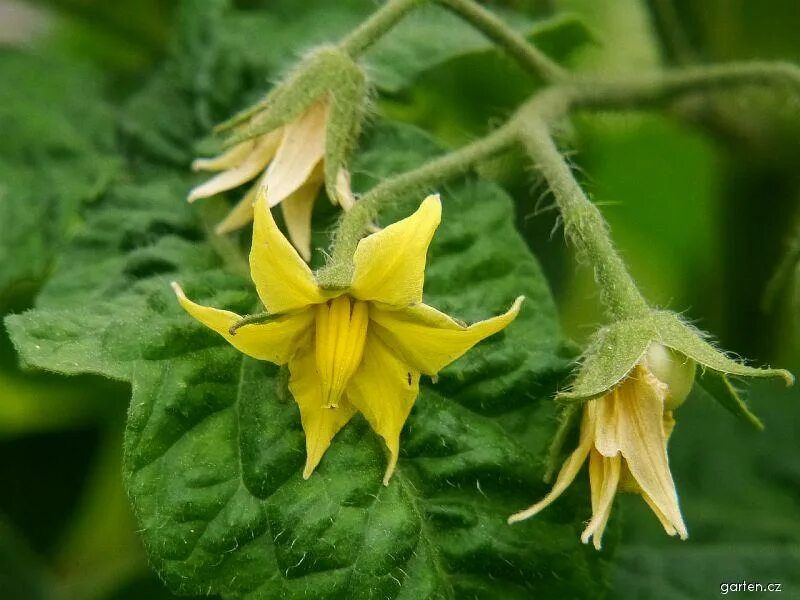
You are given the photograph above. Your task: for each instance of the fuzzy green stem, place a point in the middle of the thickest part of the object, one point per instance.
(528, 56)
(381, 21)
(659, 88)
(584, 225)
(338, 271)
(256, 318)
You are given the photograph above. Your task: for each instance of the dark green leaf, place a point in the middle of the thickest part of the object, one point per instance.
(57, 135)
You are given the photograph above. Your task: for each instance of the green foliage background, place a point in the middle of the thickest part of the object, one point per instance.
(702, 212)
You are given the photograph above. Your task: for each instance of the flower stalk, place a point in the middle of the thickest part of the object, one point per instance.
(352, 225)
(370, 31)
(584, 225)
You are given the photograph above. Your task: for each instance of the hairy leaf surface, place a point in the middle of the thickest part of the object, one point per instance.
(56, 154)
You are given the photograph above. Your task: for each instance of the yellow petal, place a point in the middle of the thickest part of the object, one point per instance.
(301, 150)
(240, 215)
(339, 339)
(657, 512)
(249, 168)
(227, 160)
(569, 470)
(606, 437)
(320, 423)
(344, 193)
(428, 339)
(297, 209)
(390, 264)
(275, 341)
(283, 280)
(384, 390)
(603, 478)
(643, 443)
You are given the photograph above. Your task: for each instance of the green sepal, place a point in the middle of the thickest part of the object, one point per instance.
(688, 340)
(568, 419)
(611, 354)
(322, 71)
(348, 105)
(720, 387)
(616, 348)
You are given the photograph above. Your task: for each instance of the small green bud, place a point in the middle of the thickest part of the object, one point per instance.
(673, 369)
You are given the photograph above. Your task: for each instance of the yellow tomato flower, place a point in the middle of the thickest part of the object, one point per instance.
(624, 436)
(358, 349)
(288, 163)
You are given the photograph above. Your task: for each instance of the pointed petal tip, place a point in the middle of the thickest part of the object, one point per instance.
(788, 378)
(524, 514)
(176, 287)
(390, 468)
(433, 203)
(195, 195)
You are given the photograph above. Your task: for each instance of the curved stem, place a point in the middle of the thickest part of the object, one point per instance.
(338, 271)
(663, 87)
(381, 21)
(528, 56)
(584, 225)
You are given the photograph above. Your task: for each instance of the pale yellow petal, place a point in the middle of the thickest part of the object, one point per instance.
(274, 341)
(297, 210)
(668, 528)
(603, 478)
(249, 168)
(428, 339)
(606, 438)
(283, 280)
(384, 390)
(320, 423)
(643, 443)
(569, 470)
(344, 193)
(227, 160)
(390, 264)
(301, 150)
(240, 215)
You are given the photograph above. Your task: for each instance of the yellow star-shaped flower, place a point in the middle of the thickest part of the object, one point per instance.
(358, 349)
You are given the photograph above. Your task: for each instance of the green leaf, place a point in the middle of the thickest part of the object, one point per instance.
(705, 570)
(55, 157)
(214, 448)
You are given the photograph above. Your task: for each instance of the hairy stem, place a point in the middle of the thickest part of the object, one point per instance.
(658, 88)
(381, 21)
(354, 223)
(528, 56)
(584, 225)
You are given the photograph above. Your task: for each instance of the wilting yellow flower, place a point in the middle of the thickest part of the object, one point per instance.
(288, 163)
(624, 436)
(358, 349)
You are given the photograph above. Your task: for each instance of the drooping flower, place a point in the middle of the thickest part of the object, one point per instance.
(362, 348)
(623, 435)
(288, 163)
(292, 143)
